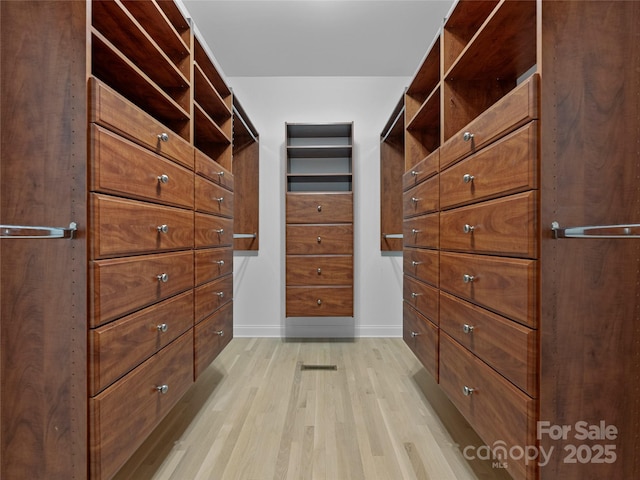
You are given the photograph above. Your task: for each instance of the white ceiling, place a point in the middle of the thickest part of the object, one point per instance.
(318, 37)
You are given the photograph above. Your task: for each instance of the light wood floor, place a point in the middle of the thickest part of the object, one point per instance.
(254, 414)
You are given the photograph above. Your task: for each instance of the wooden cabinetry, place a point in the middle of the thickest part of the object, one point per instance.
(504, 137)
(319, 217)
(139, 154)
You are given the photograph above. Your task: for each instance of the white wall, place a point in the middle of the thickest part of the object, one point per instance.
(259, 300)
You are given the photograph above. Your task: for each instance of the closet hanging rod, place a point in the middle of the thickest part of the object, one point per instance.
(392, 235)
(631, 230)
(393, 124)
(244, 235)
(25, 231)
(239, 115)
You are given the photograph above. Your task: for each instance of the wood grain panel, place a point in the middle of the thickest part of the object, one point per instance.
(213, 295)
(212, 263)
(319, 270)
(326, 207)
(212, 231)
(422, 297)
(211, 336)
(209, 168)
(320, 239)
(212, 198)
(424, 169)
(246, 215)
(422, 337)
(421, 199)
(423, 264)
(319, 301)
(422, 231)
(391, 171)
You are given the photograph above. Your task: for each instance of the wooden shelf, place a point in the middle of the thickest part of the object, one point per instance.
(424, 83)
(209, 99)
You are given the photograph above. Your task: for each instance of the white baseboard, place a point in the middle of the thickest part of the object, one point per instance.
(317, 331)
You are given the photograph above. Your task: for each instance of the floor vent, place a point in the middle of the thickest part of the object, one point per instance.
(318, 367)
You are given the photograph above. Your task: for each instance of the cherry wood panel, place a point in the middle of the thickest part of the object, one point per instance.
(124, 227)
(319, 207)
(123, 415)
(122, 285)
(212, 231)
(510, 348)
(320, 239)
(246, 215)
(422, 231)
(422, 337)
(213, 295)
(505, 226)
(422, 297)
(507, 286)
(212, 198)
(325, 301)
(427, 167)
(391, 171)
(212, 263)
(499, 412)
(114, 112)
(211, 336)
(214, 171)
(121, 167)
(319, 270)
(513, 110)
(423, 264)
(120, 346)
(421, 199)
(504, 167)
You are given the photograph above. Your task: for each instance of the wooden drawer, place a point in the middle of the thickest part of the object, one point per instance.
(421, 296)
(211, 336)
(122, 416)
(505, 226)
(212, 198)
(422, 337)
(507, 286)
(114, 112)
(508, 347)
(213, 263)
(319, 208)
(127, 227)
(209, 168)
(504, 167)
(213, 295)
(422, 231)
(123, 285)
(320, 301)
(212, 231)
(121, 167)
(118, 347)
(422, 263)
(423, 198)
(320, 239)
(499, 412)
(319, 270)
(512, 111)
(421, 171)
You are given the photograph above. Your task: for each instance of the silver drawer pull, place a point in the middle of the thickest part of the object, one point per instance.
(468, 228)
(415, 199)
(468, 278)
(163, 327)
(163, 277)
(466, 328)
(163, 228)
(319, 208)
(468, 391)
(219, 231)
(219, 199)
(414, 334)
(164, 137)
(414, 294)
(163, 178)
(220, 174)
(219, 262)
(23, 231)
(220, 294)
(467, 136)
(319, 302)
(319, 271)
(220, 333)
(319, 239)
(467, 178)
(415, 264)
(631, 230)
(162, 389)
(415, 231)
(415, 173)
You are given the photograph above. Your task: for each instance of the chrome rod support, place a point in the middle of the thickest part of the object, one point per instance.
(25, 231)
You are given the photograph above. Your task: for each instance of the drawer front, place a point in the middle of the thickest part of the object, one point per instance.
(123, 285)
(213, 231)
(421, 171)
(126, 227)
(209, 168)
(120, 346)
(114, 112)
(320, 239)
(422, 231)
(497, 411)
(422, 297)
(422, 198)
(505, 167)
(505, 285)
(512, 111)
(423, 264)
(319, 270)
(211, 336)
(422, 338)
(320, 301)
(212, 198)
(121, 417)
(319, 208)
(213, 263)
(213, 295)
(506, 226)
(121, 167)
(508, 347)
